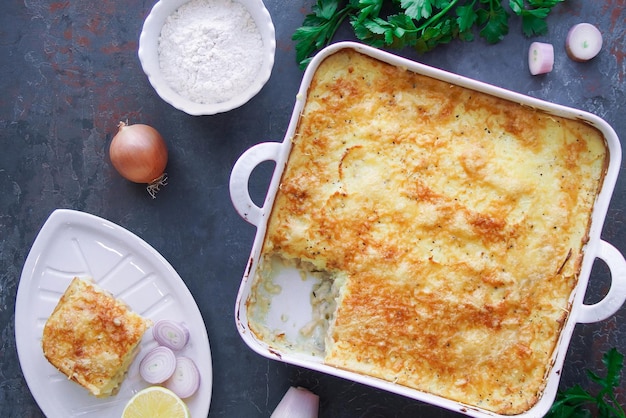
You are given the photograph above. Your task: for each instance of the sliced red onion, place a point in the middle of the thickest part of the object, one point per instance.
(171, 334)
(186, 378)
(297, 403)
(158, 365)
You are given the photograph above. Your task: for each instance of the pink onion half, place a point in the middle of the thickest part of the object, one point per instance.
(158, 365)
(297, 403)
(185, 381)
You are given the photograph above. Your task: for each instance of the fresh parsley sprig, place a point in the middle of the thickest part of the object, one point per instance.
(571, 402)
(421, 24)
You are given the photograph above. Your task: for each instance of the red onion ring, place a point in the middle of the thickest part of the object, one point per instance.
(171, 334)
(158, 365)
(186, 378)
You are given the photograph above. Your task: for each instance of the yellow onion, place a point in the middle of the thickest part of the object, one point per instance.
(139, 153)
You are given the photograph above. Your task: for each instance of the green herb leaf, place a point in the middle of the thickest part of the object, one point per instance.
(571, 402)
(369, 8)
(422, 24)
(318, 28)
(532, 25)
(614, 362)
(325, 9)
(466, 16)
(417, 9)
(497, 23)
(533, 14)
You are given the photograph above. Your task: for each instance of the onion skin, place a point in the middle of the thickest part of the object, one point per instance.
(139, 154)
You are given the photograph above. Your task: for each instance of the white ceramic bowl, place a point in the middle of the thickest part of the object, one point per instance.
(149, 57)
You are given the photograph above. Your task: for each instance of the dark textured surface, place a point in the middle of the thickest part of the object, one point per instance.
(70, 72)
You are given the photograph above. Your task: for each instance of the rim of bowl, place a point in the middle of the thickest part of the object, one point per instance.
(149, 57)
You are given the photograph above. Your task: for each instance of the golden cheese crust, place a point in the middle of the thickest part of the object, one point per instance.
(457, 218)
(92, 337)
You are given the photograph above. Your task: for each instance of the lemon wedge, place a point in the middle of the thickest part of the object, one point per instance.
(156, 402)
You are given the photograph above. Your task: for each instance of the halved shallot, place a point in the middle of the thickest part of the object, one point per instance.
(297, 403)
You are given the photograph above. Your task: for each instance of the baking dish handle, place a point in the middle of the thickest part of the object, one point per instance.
(616, 295)
(240, 176)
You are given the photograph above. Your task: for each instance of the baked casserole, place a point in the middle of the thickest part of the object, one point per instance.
(446, 228)
(92, 337)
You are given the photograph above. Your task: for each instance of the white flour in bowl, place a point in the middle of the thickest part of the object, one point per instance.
(210, 50)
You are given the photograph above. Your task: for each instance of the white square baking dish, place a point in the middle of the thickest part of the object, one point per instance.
(292, 306)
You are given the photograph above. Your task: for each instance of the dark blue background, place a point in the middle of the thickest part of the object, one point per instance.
(69, 72)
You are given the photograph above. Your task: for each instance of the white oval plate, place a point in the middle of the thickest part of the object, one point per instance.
(71, 244)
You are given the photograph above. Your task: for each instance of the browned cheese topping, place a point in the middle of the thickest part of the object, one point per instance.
(458, 220)
(92, 337)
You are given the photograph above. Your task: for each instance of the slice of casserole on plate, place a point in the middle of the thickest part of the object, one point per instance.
(92, 337)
